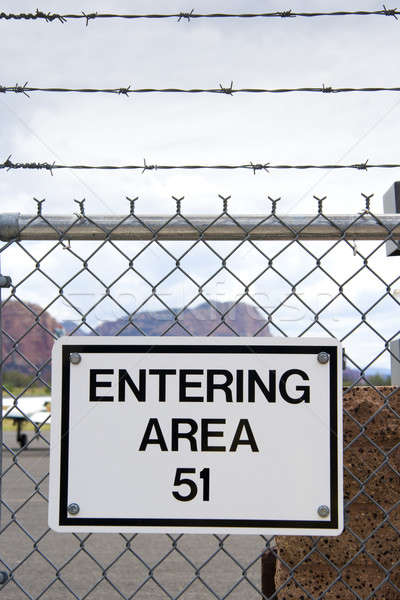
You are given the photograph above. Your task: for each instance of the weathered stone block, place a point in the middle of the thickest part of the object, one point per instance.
(361, 557)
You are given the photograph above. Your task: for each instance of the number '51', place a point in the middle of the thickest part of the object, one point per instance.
(191, 485)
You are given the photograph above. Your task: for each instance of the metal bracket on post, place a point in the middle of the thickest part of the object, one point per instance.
(5, 281)
(9, 226)
(391, 205)
(395, 362)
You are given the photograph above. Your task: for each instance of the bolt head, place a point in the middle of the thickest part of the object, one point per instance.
(3, 577)
(323, 511)
(73, 508)
(323, 358)
(75, 358)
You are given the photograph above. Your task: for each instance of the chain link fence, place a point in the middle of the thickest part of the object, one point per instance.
(271, 275)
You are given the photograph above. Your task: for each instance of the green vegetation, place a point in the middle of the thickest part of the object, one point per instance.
(376, 379)
(16, 382)
(379, 379)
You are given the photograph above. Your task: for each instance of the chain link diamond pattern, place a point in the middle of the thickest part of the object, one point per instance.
(296, 287)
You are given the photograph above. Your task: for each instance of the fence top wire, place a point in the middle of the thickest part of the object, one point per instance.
(364, 225)
(50, 17)
(8, 165)
(228, 91)
(178, 227)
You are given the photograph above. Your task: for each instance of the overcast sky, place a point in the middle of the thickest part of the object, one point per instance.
(173, 129)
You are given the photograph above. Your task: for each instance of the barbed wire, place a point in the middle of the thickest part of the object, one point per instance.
(229, 91)
(8, 165)
(50, 17)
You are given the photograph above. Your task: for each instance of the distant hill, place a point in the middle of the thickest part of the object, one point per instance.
(371, 376)
(27, 338)
(243, 319)
(28, 329)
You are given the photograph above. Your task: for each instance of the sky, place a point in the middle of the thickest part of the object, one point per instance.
(183, 129)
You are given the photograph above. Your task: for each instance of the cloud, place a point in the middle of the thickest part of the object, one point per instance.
(185, 129)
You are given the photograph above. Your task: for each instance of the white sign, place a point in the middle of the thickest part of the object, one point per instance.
(227, 435)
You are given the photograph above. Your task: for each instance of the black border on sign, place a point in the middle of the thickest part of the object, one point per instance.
(65, 519)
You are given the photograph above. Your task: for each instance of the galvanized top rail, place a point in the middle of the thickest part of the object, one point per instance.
(362, 226)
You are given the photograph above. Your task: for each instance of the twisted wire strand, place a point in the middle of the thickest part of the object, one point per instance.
(254, 167)
(127, 91)
(50, 17)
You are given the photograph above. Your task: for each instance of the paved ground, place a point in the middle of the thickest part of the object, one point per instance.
(104, 567)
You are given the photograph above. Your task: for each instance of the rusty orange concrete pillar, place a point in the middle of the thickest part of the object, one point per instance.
(364, 557)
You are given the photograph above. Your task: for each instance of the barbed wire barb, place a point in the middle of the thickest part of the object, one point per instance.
(259, 167)
(21, 89)
(284, 14)
(7, 163)
(48, 17)
(226, 90)
(186, 15)
(390, 12)
(362, 166)
(125, 91)
(147, 167)
(89, 17)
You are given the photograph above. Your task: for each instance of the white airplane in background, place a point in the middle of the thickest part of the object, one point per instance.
(30, 408)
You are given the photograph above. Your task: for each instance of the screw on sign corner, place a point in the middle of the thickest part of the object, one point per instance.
(323, 358)
(75, 358)
(323, 511)
(73, 508)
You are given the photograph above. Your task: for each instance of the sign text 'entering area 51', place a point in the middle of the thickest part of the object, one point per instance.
(212, 435)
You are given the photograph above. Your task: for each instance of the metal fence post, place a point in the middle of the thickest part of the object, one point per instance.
(391, 205)
(395, 361)
(5, 281)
